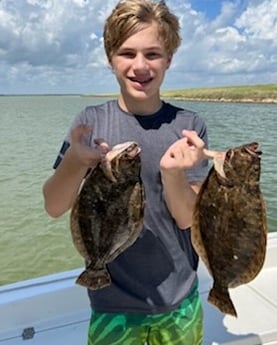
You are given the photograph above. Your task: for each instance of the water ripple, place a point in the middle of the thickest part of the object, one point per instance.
(32, 244)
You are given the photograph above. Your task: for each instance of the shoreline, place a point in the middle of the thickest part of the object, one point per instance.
(258, 93)
(163, 96)
(223, 100)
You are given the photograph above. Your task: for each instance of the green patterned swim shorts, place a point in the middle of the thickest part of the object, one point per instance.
(182, 326)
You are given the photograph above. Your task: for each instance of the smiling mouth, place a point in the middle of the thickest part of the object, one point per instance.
(141, 81)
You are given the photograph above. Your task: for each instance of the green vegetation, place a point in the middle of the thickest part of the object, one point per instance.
(264, 93)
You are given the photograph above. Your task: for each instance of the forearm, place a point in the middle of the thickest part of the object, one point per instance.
(180, 197)
(61, 189)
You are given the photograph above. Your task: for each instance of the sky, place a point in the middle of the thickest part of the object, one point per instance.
(56, 46)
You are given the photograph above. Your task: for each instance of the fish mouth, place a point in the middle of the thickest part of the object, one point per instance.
(253, 149)
(134, 150)
(129, 148)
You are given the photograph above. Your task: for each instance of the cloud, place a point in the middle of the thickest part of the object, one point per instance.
(259, 21)
(56, 45)
(236, 47)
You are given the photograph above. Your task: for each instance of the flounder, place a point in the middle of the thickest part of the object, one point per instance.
(107, 215)
(229, 228)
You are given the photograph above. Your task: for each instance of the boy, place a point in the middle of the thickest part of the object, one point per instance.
(153, 298)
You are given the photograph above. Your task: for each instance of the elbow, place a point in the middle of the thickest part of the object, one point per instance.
(52, 211)
(183, 225)
(51, 207)
(183, 222)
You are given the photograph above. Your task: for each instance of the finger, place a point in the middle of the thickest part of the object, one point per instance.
(102, 145)
(177, 153)
(210, 154)
(198, 142)
(78, 132)
(193, 138)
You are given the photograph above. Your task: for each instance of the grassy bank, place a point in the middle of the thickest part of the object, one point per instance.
(264, 93)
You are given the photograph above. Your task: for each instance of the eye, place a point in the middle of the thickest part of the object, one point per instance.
(127, 54)
(153, 55)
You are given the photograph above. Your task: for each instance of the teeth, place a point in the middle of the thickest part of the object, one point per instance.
(140, 81)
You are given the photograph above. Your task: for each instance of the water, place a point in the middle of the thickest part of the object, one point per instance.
(31, 132)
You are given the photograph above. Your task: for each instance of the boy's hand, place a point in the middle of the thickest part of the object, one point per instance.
(185, 153)
(86, 155)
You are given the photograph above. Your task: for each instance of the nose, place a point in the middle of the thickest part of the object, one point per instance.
(140, 63)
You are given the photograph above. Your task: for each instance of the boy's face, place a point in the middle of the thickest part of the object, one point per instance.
(140, 64)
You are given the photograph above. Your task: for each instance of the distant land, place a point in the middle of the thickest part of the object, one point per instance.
(264, 93)
(260, 93)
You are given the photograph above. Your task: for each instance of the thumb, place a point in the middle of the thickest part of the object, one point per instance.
(210, 154)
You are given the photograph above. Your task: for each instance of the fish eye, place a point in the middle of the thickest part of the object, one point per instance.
(228, 154)
(125, 154)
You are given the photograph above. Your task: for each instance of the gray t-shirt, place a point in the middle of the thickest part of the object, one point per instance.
(158, 271)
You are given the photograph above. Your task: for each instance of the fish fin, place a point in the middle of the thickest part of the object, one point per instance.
(94, 280)
(221, 299)
(107, 170)
(219, 164)
(223, 181)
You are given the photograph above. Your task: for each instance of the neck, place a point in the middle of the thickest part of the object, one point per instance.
(140, 107)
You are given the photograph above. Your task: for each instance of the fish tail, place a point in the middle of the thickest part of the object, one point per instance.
(94, 279)
(220, 297)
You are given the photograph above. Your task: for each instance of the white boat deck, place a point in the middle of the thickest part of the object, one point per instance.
(54, 310)
(256, 305)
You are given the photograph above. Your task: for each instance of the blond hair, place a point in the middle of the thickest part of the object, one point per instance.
(130, 16)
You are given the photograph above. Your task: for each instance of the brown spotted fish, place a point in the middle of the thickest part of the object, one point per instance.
(107, 215)
(229, 228)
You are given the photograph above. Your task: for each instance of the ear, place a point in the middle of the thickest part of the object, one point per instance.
(169, 59)
(109, 64)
